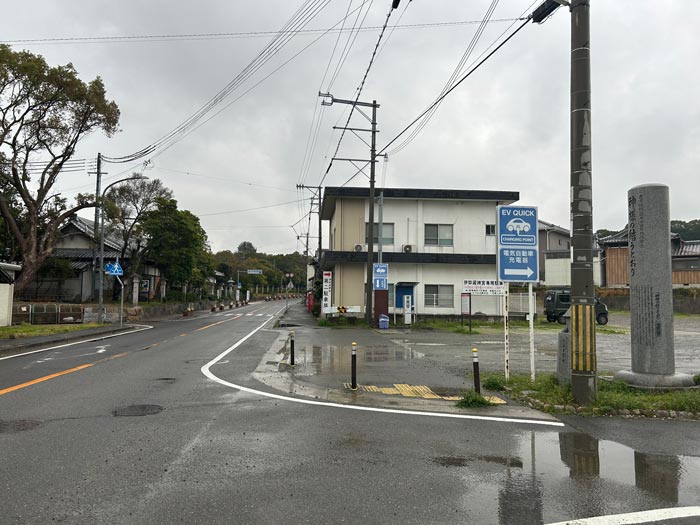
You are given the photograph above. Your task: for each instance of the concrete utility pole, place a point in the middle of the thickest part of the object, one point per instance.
(372, 162)
(96, 229)
(370, 235)
(582, 311)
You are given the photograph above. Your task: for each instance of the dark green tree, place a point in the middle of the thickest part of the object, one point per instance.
(45, 111)
(689, 231)
(177, 243)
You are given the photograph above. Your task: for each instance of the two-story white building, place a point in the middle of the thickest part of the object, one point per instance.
(432, 239)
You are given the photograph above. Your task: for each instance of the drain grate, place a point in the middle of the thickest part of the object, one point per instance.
(137, 410)
(17, 425)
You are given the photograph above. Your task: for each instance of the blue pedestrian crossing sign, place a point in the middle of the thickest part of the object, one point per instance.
(518, 244)
(114, 268)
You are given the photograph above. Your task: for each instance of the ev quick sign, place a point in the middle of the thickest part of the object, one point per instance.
(518, 248)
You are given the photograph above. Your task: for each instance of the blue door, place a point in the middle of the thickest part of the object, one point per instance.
(401, 290)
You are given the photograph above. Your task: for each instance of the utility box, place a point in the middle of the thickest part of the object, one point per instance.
(383, 322)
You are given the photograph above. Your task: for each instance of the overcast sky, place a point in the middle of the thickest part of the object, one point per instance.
(504, 128)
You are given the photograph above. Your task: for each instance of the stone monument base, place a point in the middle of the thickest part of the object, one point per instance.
(655, 381)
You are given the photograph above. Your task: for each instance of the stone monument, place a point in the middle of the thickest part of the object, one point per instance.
(651, 297)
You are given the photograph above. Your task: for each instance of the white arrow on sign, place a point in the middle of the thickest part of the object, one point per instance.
(518, 271)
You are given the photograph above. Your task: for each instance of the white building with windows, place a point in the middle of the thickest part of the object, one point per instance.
(432, 239)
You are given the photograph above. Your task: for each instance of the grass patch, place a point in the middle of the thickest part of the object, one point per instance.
(611, 396)
(494, 382)
(471, 399)
(36, 330)
(343, 322)
(450, 326)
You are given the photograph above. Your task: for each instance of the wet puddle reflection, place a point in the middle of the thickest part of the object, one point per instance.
(570, 475)
(330, 359)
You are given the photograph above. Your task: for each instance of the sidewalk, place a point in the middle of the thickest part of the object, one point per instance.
(396, 368)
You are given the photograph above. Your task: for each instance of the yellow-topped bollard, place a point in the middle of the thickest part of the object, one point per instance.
(353, 366)
(475, 365)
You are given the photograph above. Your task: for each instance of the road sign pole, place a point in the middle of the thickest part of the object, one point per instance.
(531, 315)
(506, 336)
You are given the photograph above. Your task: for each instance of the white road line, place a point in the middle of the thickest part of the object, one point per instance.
(101, 338)
(669, 515)
(207, 372)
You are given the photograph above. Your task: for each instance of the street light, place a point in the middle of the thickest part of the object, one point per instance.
(100, 315)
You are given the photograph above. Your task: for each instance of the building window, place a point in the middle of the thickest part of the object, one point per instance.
(439, 296)
(387, 233)
(438, 234)
(490, 229)
(391, 294)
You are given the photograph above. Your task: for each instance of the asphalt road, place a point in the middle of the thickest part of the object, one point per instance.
(74, 450)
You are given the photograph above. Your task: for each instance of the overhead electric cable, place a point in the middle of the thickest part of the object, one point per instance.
(455, 73)
(303, 16)
(247, 209)
(229, 35)
(358, 92)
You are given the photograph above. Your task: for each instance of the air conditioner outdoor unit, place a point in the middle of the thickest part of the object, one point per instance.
(359, 247)
(407, 248)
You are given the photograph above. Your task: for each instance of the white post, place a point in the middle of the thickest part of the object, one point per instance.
(531, 312)
(506, 341)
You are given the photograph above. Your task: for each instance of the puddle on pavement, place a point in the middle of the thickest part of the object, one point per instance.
(318, 360)
(556, 476)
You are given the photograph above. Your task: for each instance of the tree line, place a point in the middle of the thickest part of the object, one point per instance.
(45, 112)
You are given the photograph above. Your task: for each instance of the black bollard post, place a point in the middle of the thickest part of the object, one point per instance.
(475, 363)
(291, 349)
(353, 365)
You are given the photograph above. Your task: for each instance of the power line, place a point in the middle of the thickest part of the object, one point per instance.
(302, 17)
(232, 35)
(247, 209)
(359, 92)
(443, 96)
(457, 70)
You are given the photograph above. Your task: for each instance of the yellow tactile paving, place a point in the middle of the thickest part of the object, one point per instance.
(421, 391)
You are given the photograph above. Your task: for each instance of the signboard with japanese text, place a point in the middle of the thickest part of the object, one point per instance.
(326, 307)
(483, 287)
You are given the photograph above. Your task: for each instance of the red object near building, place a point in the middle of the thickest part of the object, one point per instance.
(309, 301)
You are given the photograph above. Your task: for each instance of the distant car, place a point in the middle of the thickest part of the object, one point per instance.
(517, 225)
(558, 301)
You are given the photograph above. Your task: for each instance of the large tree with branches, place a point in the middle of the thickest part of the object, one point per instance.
(45, 112)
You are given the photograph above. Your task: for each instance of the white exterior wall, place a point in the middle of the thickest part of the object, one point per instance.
(445, 274)
(6, 291)
(469, 220)
(558, 272)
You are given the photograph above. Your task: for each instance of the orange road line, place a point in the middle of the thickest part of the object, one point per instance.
(59, 374)
(45, 378)
(214, 324)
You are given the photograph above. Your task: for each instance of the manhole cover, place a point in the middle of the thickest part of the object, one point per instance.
(17, 425)
(137, 410)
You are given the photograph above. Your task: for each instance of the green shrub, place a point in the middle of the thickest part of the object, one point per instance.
(471, 399)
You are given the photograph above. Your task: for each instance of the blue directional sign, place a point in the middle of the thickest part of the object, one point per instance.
(380, 283)
(380, 270)
(518, 246)
(114, 269)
